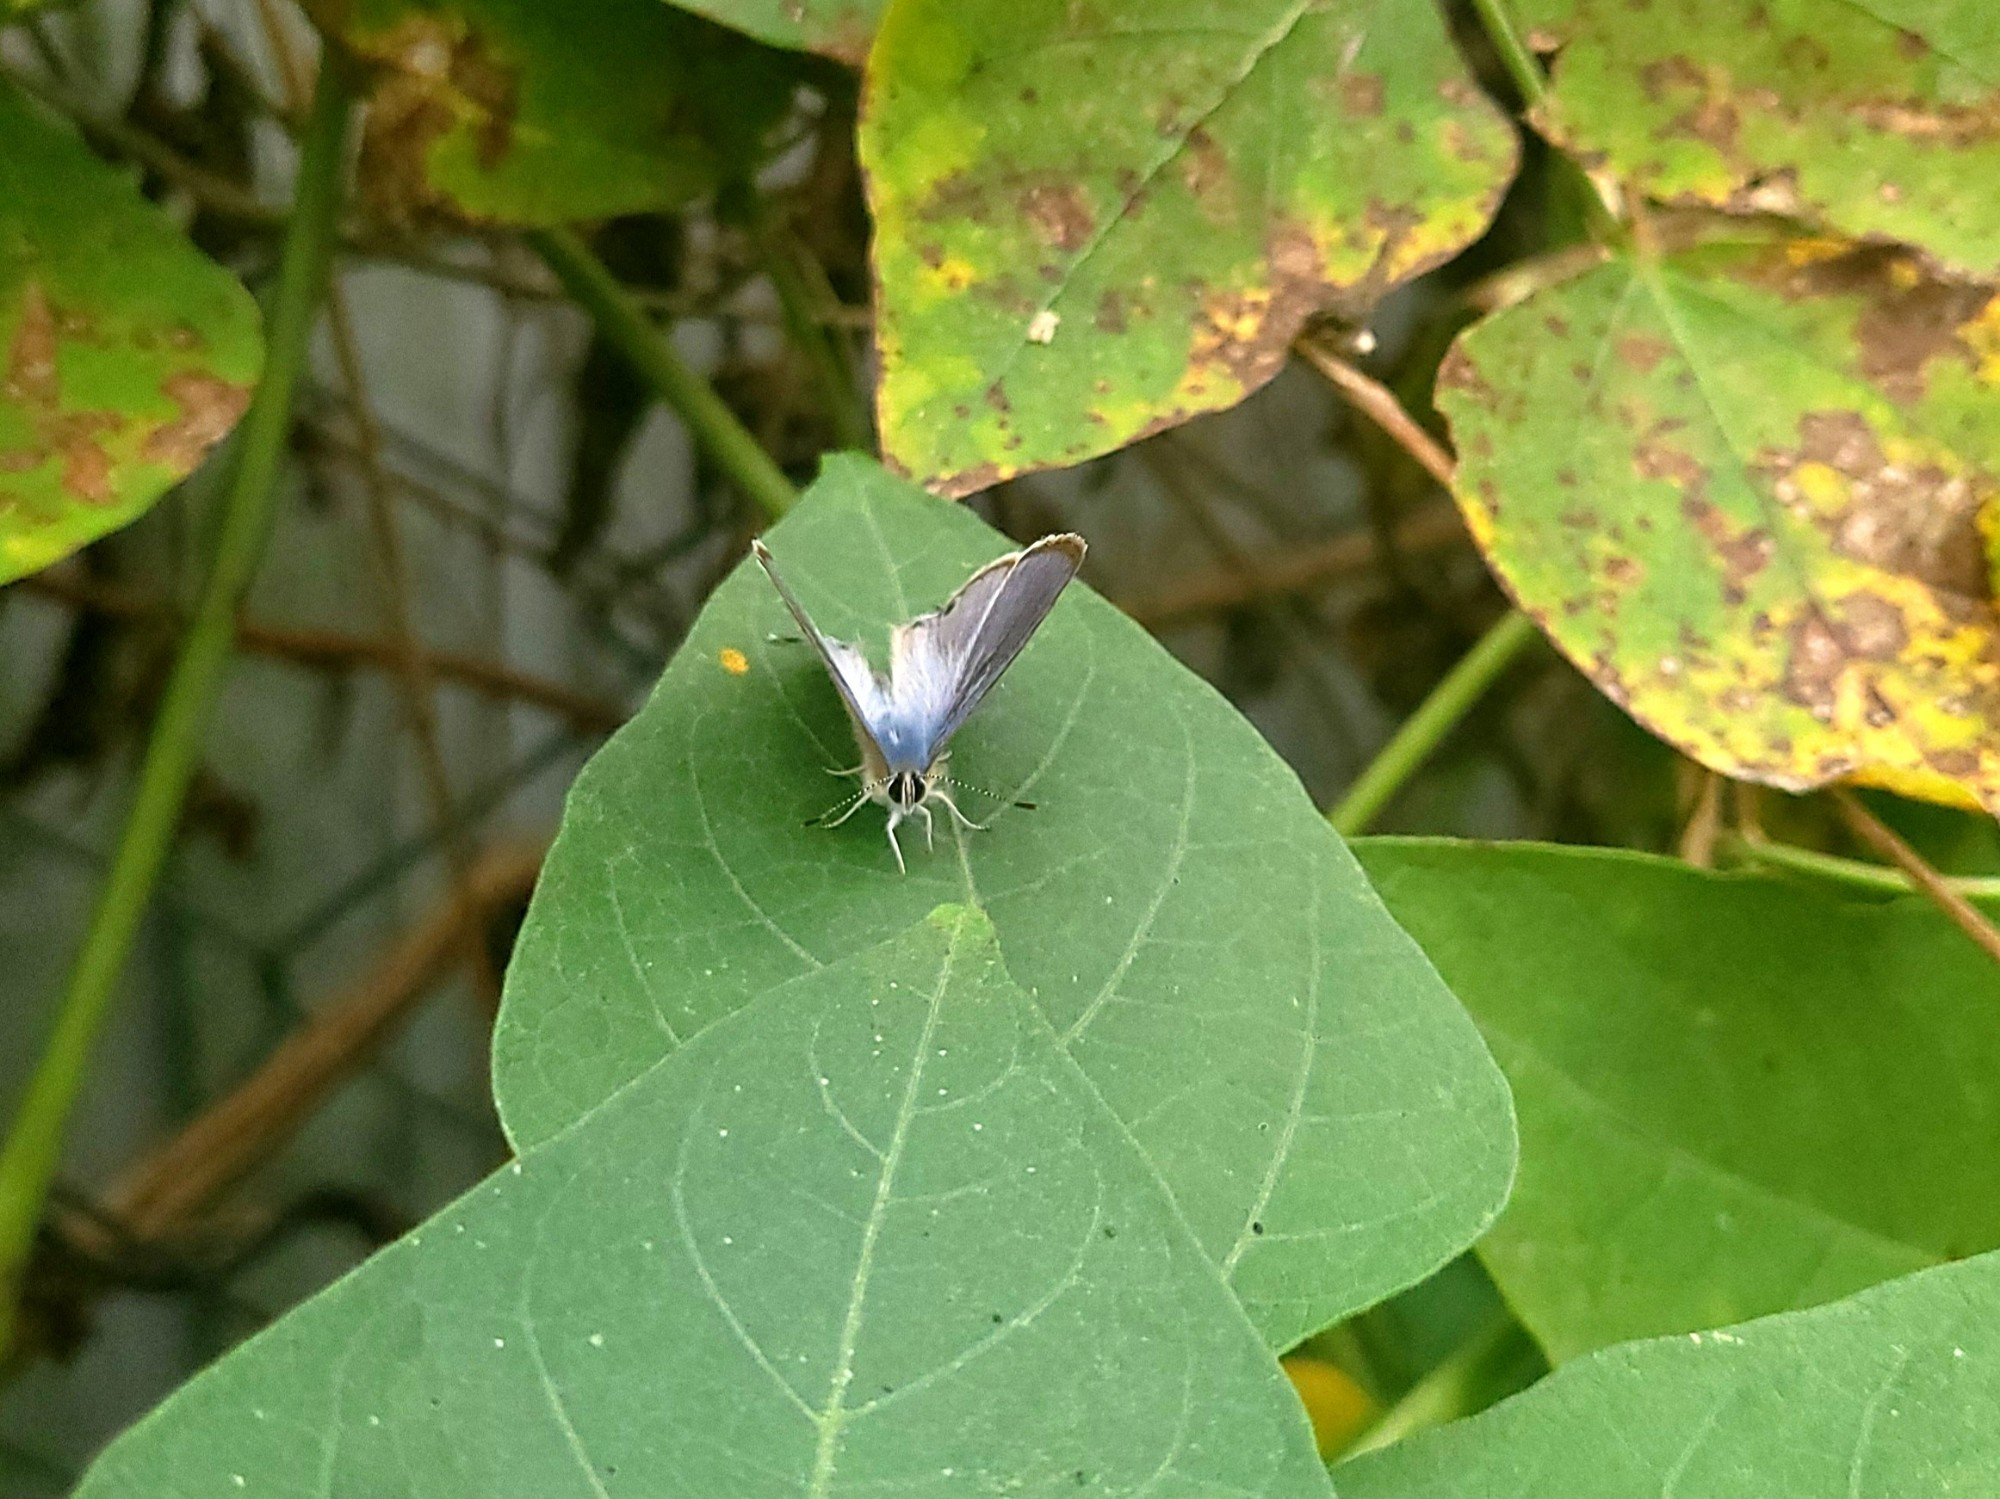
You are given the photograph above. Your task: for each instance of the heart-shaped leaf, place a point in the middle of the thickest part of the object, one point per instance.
(1742, 487)
(874, 1233)
(1095, 222)
(1875, 120)
(528, 113)
(1203, 945)
(1889, 1394)
(1737, 1096)
(125, 353)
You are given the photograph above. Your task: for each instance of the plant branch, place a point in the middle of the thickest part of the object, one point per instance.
(1375, 400)
(334, 650)
(709, 419)
(33, 1148)
(1468, 1380)
(1755, 849)
(1879, 836)
(1434, 719)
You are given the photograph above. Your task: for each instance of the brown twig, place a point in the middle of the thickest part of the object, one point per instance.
(166, 1192)
(1233, 587)
(1879, 836)
(331, 650)
(1379, 404)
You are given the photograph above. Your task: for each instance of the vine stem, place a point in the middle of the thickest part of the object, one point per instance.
(1435, 717)
(1851, 872)
(1514, 55)
(33, 1149)
(1879, 836)
(692, 398)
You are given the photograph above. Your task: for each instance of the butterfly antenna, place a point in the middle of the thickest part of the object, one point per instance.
(991, 796)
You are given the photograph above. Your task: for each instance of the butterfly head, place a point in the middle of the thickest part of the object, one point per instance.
(906, 789)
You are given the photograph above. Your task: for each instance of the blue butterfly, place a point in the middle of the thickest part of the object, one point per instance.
(941, 665)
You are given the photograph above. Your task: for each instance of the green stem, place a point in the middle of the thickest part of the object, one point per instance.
(1855, 872)
(1436, 717)
(1514, 55)
(1485, 1367)
(33, 1149)
(711, 421)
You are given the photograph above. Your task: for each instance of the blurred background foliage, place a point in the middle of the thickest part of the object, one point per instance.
(489, 539)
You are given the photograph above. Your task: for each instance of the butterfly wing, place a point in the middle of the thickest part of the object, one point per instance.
(941, 665)
(862, 692)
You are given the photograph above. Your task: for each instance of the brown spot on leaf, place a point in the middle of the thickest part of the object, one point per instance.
(31, 378)
(1873, 627)
(1204, 168)
(209, 409)
(1917, 520)
(1361, 94)
(1641, 351)
(1902, 331)
(1060, 214)
(1654, 458)
(1110, 312)
(1813, 665)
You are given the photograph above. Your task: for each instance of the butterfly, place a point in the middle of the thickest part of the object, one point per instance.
(941, 665)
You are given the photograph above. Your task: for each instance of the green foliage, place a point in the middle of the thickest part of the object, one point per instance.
(125, 354)
(876, 1229)
(1891, 1393)
(511, 110)
(1201, 943)
(1092, 224)
(1736, 1096)
(1742, 486)
(838, 28)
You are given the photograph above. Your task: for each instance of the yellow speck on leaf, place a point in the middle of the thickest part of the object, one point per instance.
(1338, 1407)
(733, 661)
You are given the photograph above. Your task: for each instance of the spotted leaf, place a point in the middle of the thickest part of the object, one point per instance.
(1743, 487)
(125, 353)
(1094, 223)
(1875, 120)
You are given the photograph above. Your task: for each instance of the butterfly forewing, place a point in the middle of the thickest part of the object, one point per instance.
(861, 691)
(942, 664)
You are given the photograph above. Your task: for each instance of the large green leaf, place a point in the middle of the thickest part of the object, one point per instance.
(528, 112)
(1204, 946)
(1743, 488)
(125, 353)
(1092, 222)
(1888, 1395)
(1875, 119)
(838, 28)
(874, 1233)
(1736, 1096)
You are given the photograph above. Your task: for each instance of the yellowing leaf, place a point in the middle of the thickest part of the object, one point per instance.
(1092, 223)
(1741, 488)
(1877, 119)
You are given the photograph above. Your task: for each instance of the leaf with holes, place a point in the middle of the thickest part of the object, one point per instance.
(521, 112)
(1875, 120)
(125, 353)
(1201, 942)
(1737, 1096)
(1888, 1394)
(873, 1233)
(1744, 488)
(836, 28)
(1092, 223)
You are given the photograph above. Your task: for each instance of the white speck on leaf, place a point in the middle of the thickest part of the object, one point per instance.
(1042, 327)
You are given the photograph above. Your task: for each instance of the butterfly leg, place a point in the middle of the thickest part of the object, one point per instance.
(852, 770)
(938, 793)
(896, 816)
(930, 839)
